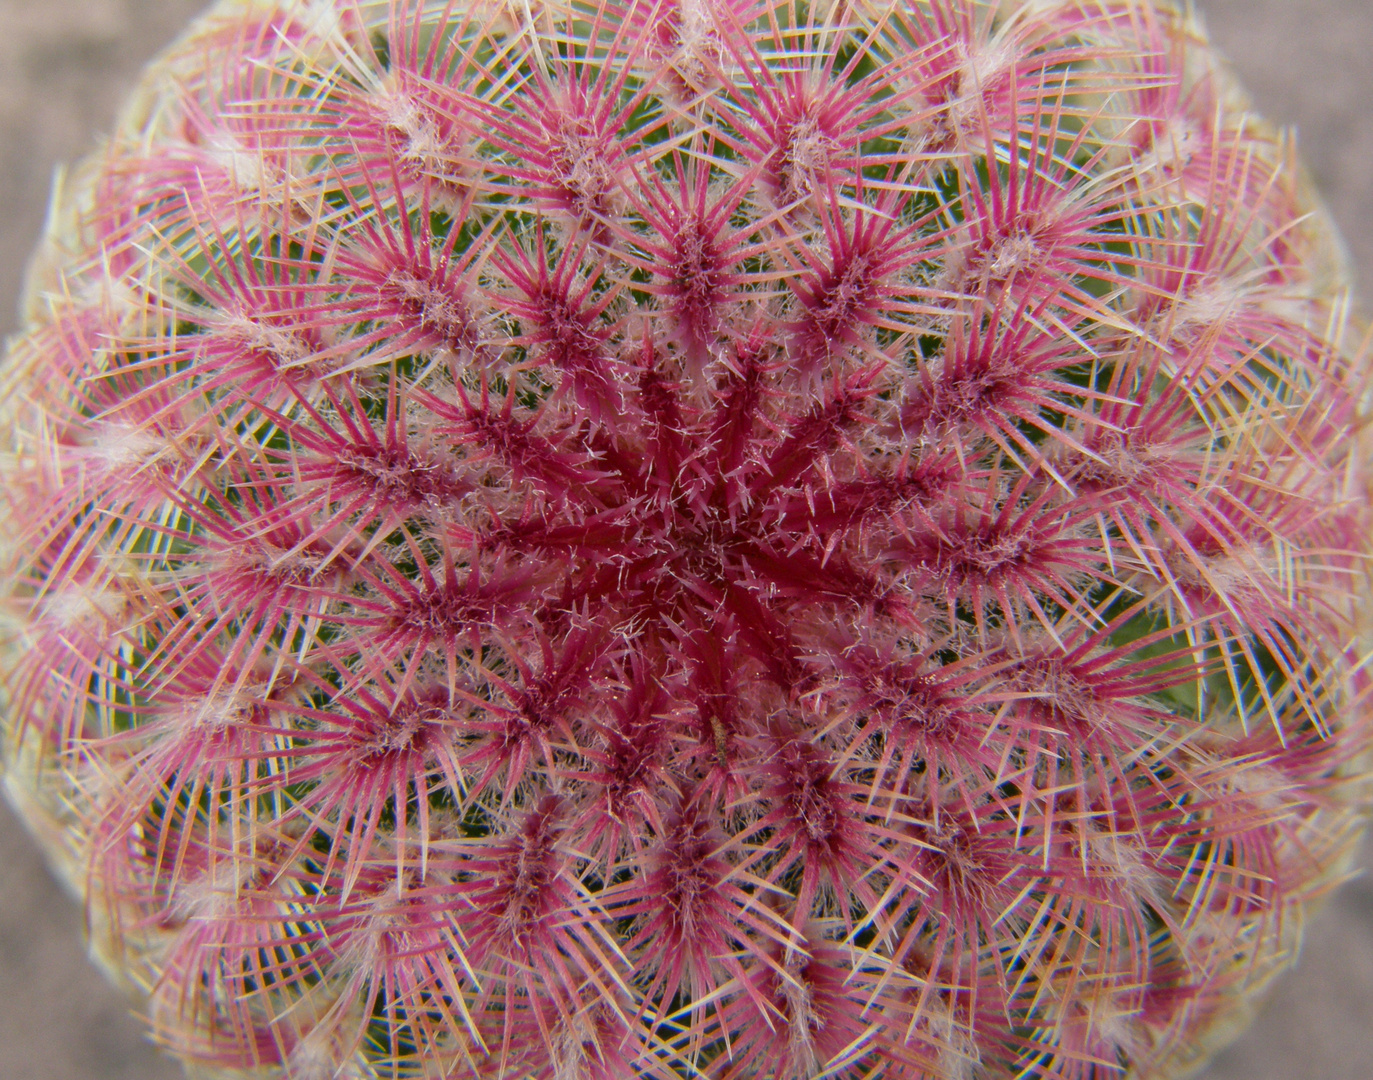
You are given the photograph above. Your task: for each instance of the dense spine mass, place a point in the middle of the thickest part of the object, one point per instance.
(731, 538)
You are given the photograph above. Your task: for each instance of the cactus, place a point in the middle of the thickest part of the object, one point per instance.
(732, 538)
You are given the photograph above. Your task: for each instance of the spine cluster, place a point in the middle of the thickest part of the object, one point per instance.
(595, 539)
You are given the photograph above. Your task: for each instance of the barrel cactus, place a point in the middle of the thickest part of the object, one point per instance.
(671, 538)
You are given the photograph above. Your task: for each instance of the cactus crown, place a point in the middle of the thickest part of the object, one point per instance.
(738, 538)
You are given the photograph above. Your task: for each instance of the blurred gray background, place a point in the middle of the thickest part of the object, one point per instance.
(64, 67)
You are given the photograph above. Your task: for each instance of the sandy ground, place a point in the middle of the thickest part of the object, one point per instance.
(65, 65)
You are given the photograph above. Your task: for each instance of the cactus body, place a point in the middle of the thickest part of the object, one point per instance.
(725, 538)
